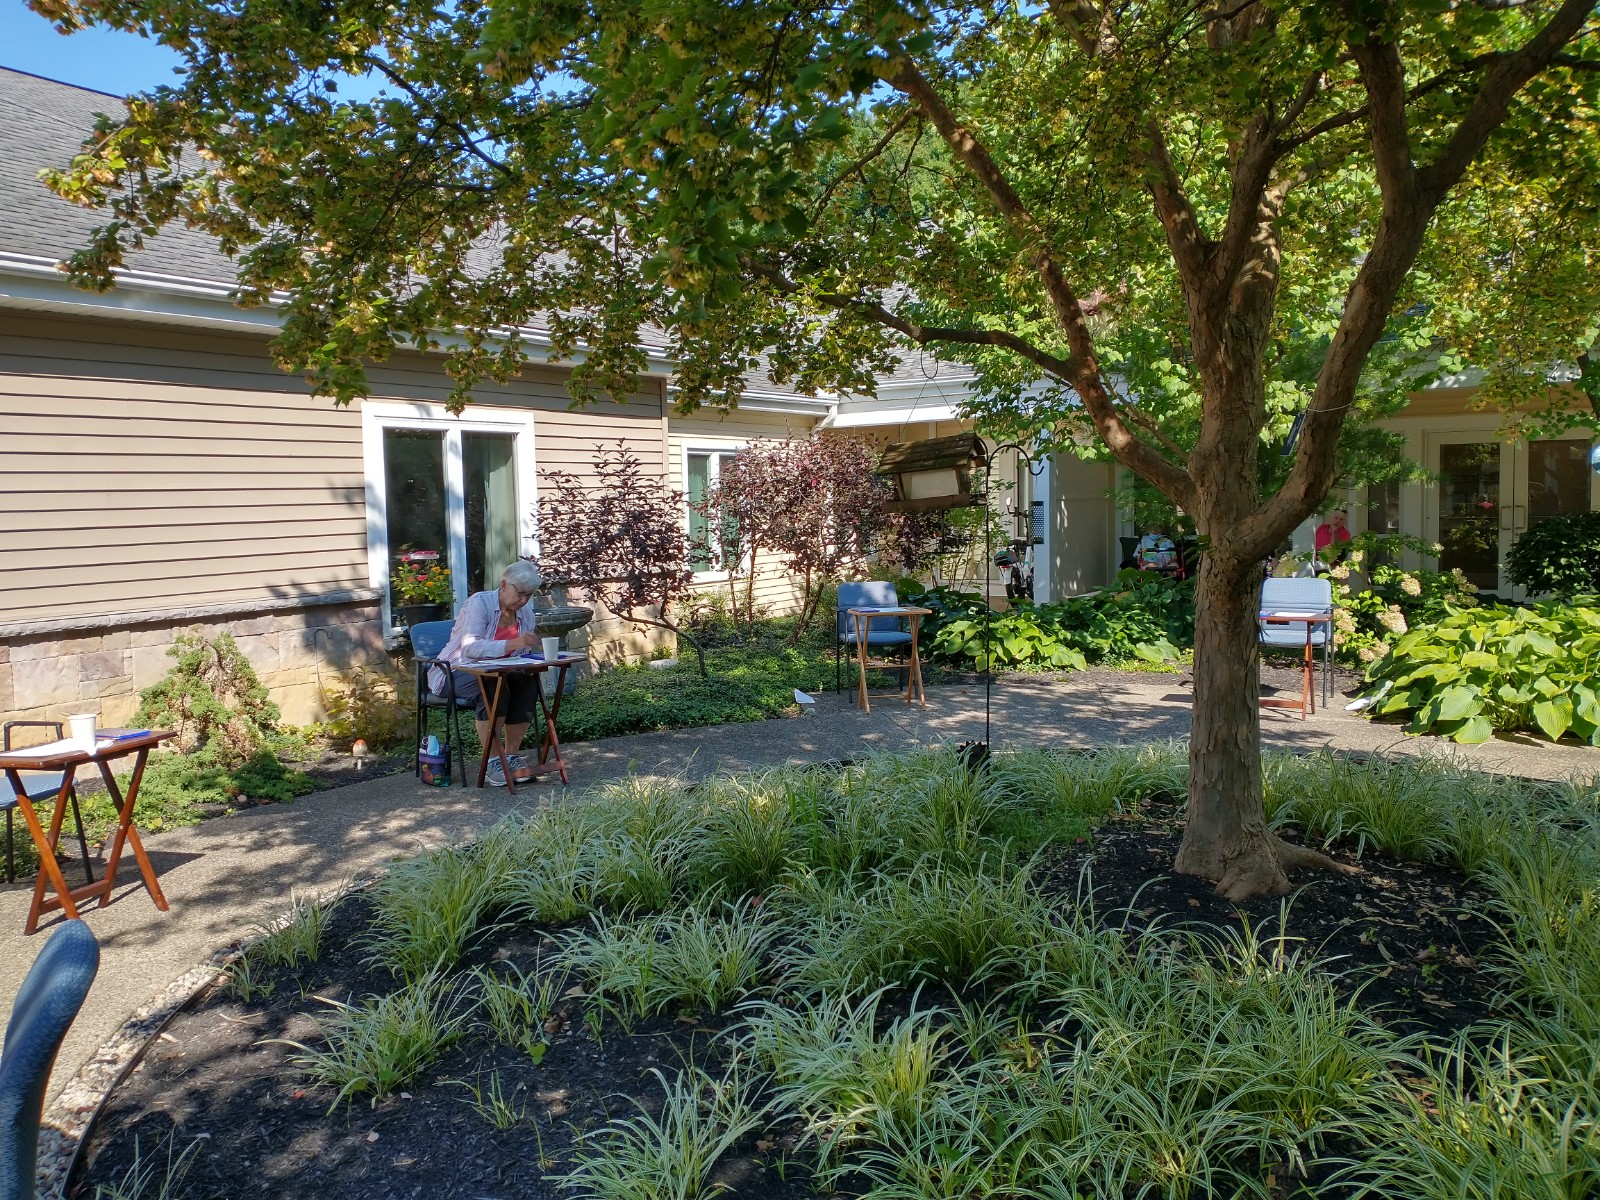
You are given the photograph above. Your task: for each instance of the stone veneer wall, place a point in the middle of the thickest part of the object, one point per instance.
(50, 676)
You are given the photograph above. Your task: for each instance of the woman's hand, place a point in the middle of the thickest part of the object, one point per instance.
(525, 641)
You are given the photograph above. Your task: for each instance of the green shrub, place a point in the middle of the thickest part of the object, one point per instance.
(1558, 557)
(176, 786)
(377, 706)
(1141, 617)
(212, 699)
(1495, 668)
(1394, 602)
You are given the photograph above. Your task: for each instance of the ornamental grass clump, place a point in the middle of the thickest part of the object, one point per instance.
(430, 909)
(956, 924)
(638, 967)
(671, 1156)
(906, 982)
(384, 1042)
(844, 1068)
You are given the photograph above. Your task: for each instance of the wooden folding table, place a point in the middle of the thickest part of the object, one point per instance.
(490, 674)
(863, 618)
(67, 757)
(1307, 703)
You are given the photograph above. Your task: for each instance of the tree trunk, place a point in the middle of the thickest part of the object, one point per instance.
(750, 592)
(1225, 836)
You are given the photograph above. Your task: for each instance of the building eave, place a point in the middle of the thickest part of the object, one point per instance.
(34, 283)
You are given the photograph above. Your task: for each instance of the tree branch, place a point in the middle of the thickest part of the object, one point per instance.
(1191, 249)
(468, 143)
(1506, 77)
(1089, 25)
(1249, 206)
(1410, 198)
(920, 334)
(1308, 92)
(1083, 368)
(1384, 77)
(854, 168)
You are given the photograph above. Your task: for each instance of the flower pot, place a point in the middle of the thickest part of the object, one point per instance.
(415, 614)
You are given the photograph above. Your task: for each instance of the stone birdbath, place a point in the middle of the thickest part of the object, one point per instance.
(561, 619)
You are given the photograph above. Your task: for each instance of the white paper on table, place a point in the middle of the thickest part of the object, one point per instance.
(65, 746)
(516, 660)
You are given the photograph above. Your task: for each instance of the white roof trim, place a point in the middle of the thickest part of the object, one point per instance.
(864, 417)
(30, 281)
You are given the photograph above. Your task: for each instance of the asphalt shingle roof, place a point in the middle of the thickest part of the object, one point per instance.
(43, 124)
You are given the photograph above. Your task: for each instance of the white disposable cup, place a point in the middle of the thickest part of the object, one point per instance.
(82, 727)
(552, 648)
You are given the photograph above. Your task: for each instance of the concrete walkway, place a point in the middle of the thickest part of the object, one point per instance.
(226, 876)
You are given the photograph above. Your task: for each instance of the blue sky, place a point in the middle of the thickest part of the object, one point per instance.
(107, 60)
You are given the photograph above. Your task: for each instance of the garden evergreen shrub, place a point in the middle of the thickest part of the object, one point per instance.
(1558, 557)
(212, 699)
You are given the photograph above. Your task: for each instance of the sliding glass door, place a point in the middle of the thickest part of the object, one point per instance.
(488, 462)
(1489, 492)
(458, 487)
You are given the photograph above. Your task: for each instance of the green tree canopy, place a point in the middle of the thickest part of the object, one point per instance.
(1188, 220)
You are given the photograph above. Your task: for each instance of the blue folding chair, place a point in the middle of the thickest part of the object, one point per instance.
(876, 593)
(41, 787)
(1300, 596)
(428, 640)
(45, 1008)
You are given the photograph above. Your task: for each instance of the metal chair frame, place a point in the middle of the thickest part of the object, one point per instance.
(844, 631)
(43, 794)
(428, 699)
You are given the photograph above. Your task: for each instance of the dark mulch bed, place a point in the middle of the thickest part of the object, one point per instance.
(1409, 938)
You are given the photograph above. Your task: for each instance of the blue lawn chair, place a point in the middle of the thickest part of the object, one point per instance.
(1300, 596)
(45, 1007)
(874, 593)
(428, 640)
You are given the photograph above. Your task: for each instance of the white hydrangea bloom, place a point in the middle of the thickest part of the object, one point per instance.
(1411, 585)
(1392, 619)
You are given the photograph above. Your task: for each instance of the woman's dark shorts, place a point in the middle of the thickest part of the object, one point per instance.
(516, 695)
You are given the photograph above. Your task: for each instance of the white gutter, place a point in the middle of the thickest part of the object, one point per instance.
(31, 281)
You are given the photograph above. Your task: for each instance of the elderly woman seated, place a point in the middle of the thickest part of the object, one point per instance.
(494, 624)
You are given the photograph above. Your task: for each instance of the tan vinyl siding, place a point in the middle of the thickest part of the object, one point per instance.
(776, 590)
(145, 468)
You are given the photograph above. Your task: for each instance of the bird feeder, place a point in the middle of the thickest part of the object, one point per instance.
(933, 475)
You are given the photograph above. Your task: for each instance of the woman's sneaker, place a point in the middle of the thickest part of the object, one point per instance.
(520, 770)
(497, 773)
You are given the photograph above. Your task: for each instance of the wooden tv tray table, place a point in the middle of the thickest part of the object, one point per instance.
(863, 618)
(67, 757)
(490, 674)
(1307, 704)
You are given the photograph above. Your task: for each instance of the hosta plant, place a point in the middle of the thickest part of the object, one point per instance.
(1495, 668)
(1140, 617)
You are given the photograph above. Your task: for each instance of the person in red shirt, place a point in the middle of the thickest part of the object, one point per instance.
(1331, 536)
(495, 624)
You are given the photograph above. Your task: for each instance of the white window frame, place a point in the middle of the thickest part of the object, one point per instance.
(714, 448)
(378, 416)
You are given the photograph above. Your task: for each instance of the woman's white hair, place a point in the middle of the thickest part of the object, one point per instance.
(523, 576)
